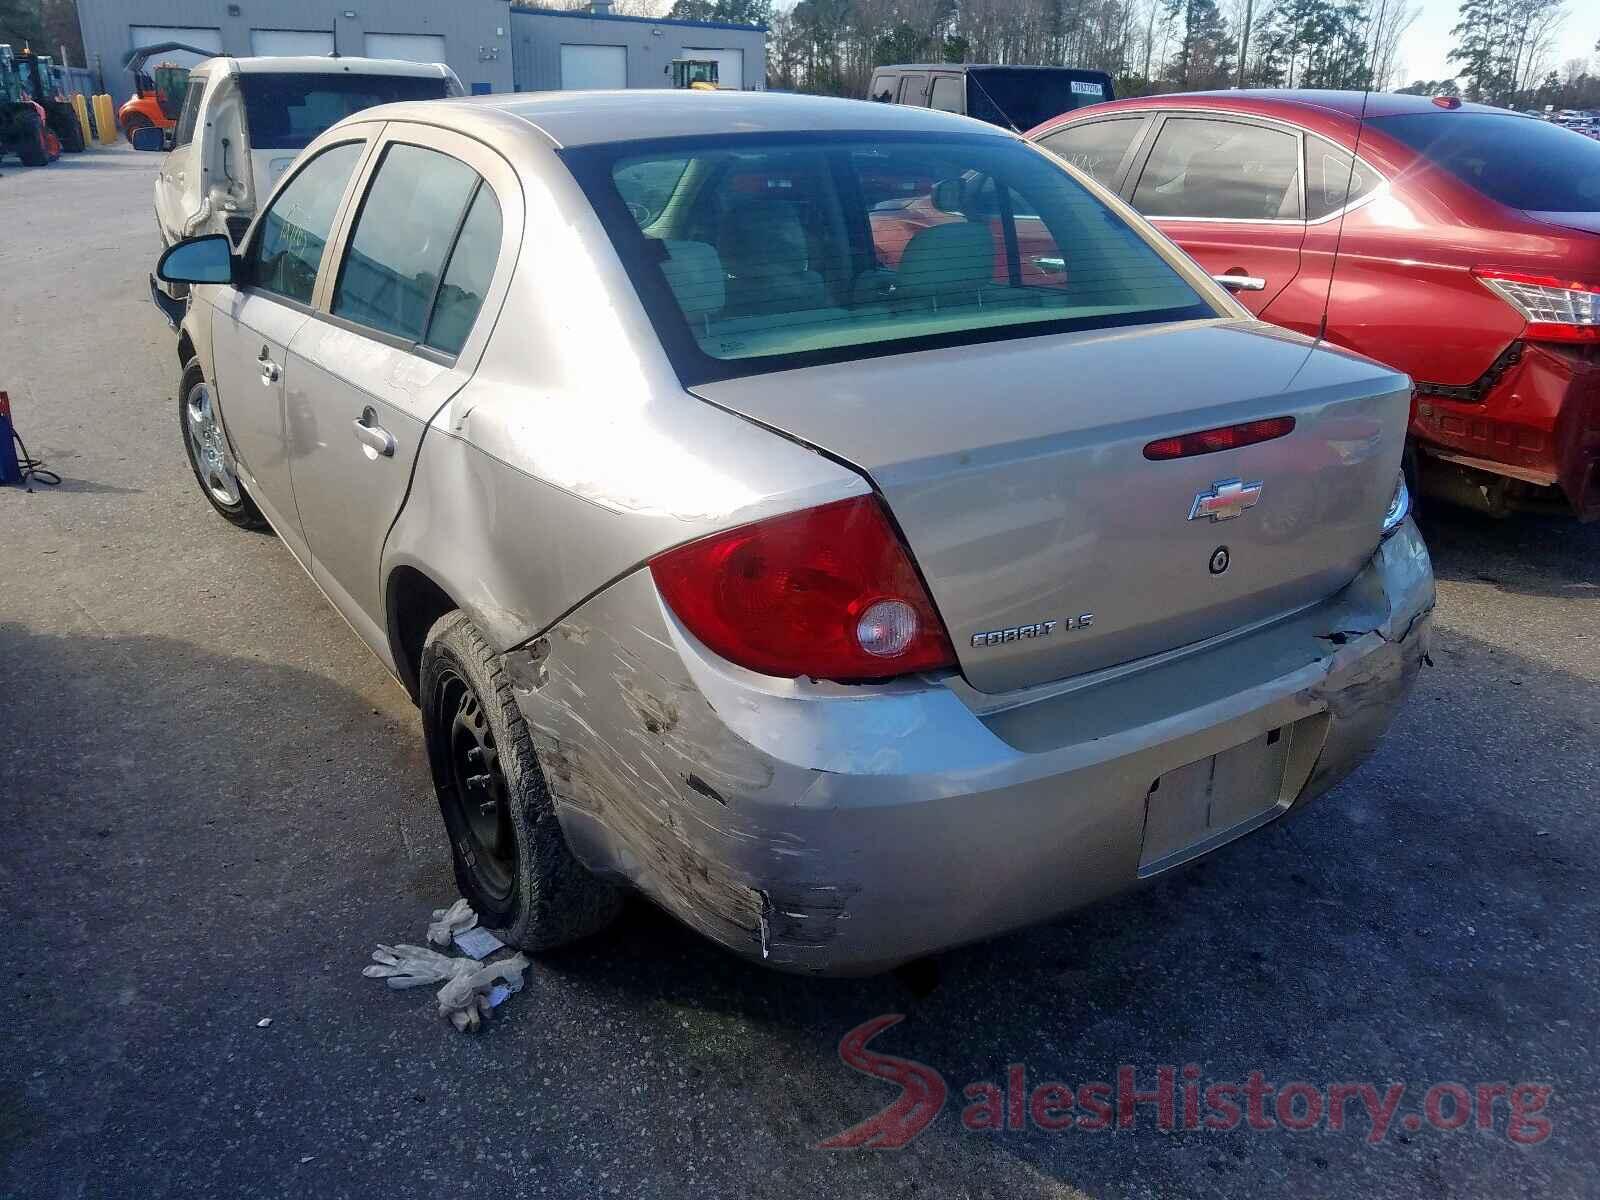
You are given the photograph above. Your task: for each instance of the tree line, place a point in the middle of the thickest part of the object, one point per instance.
(1148, 46)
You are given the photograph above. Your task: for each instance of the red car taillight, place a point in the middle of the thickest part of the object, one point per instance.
(1557, 310)
(827, 592)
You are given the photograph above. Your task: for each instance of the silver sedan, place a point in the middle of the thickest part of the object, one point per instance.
(845, 524)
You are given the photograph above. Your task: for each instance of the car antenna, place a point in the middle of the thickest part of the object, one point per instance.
(1349, 183)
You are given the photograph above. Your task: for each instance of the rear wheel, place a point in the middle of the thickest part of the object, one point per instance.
(511, 859)
(64, 124)
(135, 121)
(210, 456)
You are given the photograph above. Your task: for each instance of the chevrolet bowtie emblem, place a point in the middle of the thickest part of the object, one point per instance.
(1225, 500)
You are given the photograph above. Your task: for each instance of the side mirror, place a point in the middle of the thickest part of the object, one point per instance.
(207, 259)
(947, 197)
(149, 137)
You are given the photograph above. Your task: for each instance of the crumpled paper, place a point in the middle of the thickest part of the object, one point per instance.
(464, 998)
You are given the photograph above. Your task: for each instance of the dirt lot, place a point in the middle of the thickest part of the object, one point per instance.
(214, 805)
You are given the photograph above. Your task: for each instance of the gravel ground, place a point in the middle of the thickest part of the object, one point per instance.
(214, 804)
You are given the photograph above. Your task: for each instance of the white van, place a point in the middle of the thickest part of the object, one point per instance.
(244, 120)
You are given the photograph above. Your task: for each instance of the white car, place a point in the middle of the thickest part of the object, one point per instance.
(245, 119)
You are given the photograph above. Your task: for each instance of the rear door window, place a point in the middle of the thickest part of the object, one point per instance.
(914, 90)
(1521, 162)
(1097, 147)
(947, 94)
(1330, 184)
(287, 251)
(402, 238)
(1201, 168)
(286, 111)
(882, 89)
(466, 280)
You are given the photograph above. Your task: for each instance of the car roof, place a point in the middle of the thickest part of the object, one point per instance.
(1348, 103)
(1287, 103)
(594, 118)
(327, 64)
(964, 67)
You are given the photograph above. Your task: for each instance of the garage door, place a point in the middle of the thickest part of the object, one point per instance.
(276, 43)
(730, 64)
(594, 67)
(200, 39)
(412, 47)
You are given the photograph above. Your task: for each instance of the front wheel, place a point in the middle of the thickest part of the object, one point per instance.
(210, 456)
(32, 147)
(512, 862)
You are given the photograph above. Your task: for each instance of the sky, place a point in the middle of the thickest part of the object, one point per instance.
(1426, 43)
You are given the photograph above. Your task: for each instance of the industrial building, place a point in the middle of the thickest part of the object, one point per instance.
(596, 48)
(491, 46)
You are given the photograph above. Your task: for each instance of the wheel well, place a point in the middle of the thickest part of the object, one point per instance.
(185, 349)
(415, 602)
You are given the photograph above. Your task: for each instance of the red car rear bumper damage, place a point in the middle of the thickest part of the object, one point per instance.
(1535, 430)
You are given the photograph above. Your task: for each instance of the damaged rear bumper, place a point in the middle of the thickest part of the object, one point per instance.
(1531, 442)
(844, 829)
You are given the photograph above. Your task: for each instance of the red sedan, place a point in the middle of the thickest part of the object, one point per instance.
(1468, 255)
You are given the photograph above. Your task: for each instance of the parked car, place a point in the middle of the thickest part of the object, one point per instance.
(1468, 248)
(243, 120)
(1011, 97)
(849, 604)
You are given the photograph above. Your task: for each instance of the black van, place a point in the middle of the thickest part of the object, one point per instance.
(1011, 97)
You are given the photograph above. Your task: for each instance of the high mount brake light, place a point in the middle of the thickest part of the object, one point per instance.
(827, 592)
(1557, 310)
(1225, 437)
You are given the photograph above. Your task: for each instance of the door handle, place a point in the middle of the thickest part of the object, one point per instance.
(372, 435)
(1241, 282)
(270, 371)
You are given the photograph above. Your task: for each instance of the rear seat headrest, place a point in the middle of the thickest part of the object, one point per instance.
(695, 275)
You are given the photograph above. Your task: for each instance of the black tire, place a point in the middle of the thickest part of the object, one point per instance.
(31, 148)
(242, 512)
(511, 859)
(135, 121)
(64, 124)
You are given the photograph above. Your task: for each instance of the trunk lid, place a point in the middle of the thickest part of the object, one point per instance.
(1016, 472)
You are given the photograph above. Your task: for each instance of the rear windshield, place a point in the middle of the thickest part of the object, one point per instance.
(287, 112)
(1020, 98)
(1521, 162)
(759, 253)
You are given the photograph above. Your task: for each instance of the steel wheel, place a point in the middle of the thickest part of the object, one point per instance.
(213, 461)
(485, 838)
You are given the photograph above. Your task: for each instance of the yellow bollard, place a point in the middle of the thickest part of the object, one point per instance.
(108, 119)
(81, 108)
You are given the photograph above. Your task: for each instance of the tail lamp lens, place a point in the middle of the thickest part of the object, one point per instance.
(1557, 310)
(1226, 437)
(828, 592)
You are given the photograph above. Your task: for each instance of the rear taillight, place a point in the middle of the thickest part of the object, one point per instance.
(1227, 437)
(828, 592)
(1557, 310)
